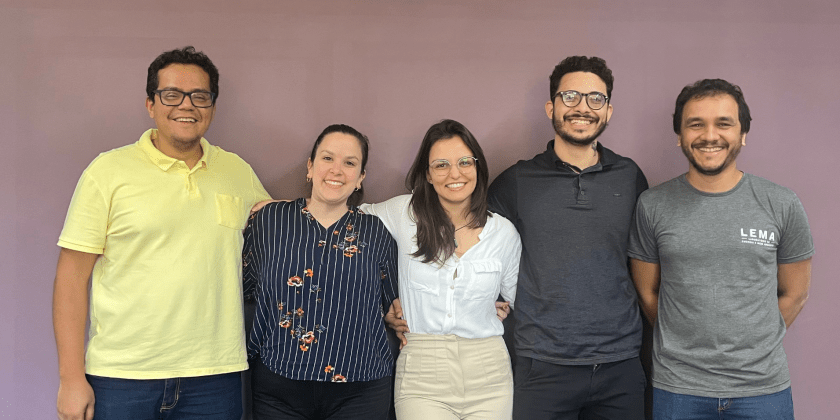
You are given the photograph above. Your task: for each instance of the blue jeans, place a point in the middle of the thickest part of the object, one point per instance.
(214, 397)
(671, 406)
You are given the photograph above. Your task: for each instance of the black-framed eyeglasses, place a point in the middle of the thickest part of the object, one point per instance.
(175, 97)
(442, 166)
(571, 98)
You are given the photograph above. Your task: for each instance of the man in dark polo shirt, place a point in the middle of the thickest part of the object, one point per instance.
(578, 328)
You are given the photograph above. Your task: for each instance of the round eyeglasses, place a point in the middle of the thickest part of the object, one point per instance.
(442, 166)
(175, 97)
(571, 98)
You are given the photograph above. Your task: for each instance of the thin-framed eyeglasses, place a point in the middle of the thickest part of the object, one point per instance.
(571, 98)
(175, 97)
(442, 166)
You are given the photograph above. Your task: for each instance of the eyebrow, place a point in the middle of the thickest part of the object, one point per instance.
(331, 153)
(718, 119)
(184, 91)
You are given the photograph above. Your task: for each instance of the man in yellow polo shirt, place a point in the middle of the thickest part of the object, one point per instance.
(158, 224)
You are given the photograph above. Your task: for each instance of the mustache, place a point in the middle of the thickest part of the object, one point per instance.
(577, 116)
(707, 143)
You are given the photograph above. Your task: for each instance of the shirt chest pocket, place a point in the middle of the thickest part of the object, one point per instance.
(230, 211)
(483, 280)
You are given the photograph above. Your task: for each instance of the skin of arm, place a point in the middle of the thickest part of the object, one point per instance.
(70, 310)
(794, 282)
(394, 320)
(646, 279)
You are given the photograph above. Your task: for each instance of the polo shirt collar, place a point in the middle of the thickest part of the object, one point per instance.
(608, 157)
(163, 161)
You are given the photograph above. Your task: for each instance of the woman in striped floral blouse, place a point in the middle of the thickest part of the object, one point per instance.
(322, 273)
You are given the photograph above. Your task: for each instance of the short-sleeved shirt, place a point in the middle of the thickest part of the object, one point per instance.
(719, 329)
(166, 295)
(457, 297)
(575, 302)
(321, 293)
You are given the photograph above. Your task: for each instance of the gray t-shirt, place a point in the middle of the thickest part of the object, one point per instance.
(719, 329)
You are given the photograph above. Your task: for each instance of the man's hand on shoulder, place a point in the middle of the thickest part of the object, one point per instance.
(75, 400)
(262, 204)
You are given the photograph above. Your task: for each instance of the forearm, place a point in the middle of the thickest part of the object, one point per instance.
(790, 306)
(794, 283)
(69, 318)
(646, 279)
(649, 303)
(70, 310)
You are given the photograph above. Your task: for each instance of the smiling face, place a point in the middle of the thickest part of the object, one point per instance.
(579, 125)
(710, 134)
(181, 126)
(337, 169)
(456, 186)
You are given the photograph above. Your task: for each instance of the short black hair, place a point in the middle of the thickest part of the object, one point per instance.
(595, 65)
(186, 55)
(712, 87)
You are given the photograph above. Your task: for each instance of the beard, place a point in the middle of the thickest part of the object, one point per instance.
(569, 137)
(731, 155)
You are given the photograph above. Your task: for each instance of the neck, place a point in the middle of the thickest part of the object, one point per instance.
(326, 213)
(459, 214)
(580, 156)
(189, 152)
(719, 183)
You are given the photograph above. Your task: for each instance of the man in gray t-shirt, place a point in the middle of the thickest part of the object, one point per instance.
(721, 261)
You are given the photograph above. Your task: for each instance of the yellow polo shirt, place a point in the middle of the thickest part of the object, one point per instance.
(166, 292)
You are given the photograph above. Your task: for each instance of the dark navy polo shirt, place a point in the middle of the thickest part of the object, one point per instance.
(575, 301)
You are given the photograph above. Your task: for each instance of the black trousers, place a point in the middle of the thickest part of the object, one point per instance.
(276, 397)
(608, 391)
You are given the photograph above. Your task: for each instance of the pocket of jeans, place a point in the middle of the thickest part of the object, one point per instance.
(230, 211)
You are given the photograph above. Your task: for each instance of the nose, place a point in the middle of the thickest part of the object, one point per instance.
(454, 171)
(186, 103)
(335, 167)
(710, 133)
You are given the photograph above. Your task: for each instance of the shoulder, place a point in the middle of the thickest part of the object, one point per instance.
(769, 188)
(277, 209)
(116, 157)
(391, 206)
(662, 191)
(619, 161)
(502, 225)
(226, 161)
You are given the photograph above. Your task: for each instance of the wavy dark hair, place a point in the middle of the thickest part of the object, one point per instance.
(186, 55)
(435, 232)
(356, 197)
(712, 87)
(595, 65)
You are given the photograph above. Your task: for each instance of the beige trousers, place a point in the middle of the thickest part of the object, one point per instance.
(449, 377)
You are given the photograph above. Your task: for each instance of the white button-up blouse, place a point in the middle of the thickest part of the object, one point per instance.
(459, 297)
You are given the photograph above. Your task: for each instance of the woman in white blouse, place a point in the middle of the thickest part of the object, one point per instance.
(455, 258)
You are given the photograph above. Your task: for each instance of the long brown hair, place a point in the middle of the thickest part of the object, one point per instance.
(435, 232)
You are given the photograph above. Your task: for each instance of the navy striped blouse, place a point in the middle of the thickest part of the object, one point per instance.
(321, 293)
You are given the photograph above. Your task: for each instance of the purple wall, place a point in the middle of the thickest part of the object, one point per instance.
(73, 82)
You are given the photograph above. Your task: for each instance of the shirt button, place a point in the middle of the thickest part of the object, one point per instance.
(452, 287)
(449, 315)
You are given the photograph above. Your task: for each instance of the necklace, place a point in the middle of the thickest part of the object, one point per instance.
(456, 230)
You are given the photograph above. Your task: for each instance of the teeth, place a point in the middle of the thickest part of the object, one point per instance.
(456, 185)
(710, 149)
(585, 122)
(336, 183)
(185, 119)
